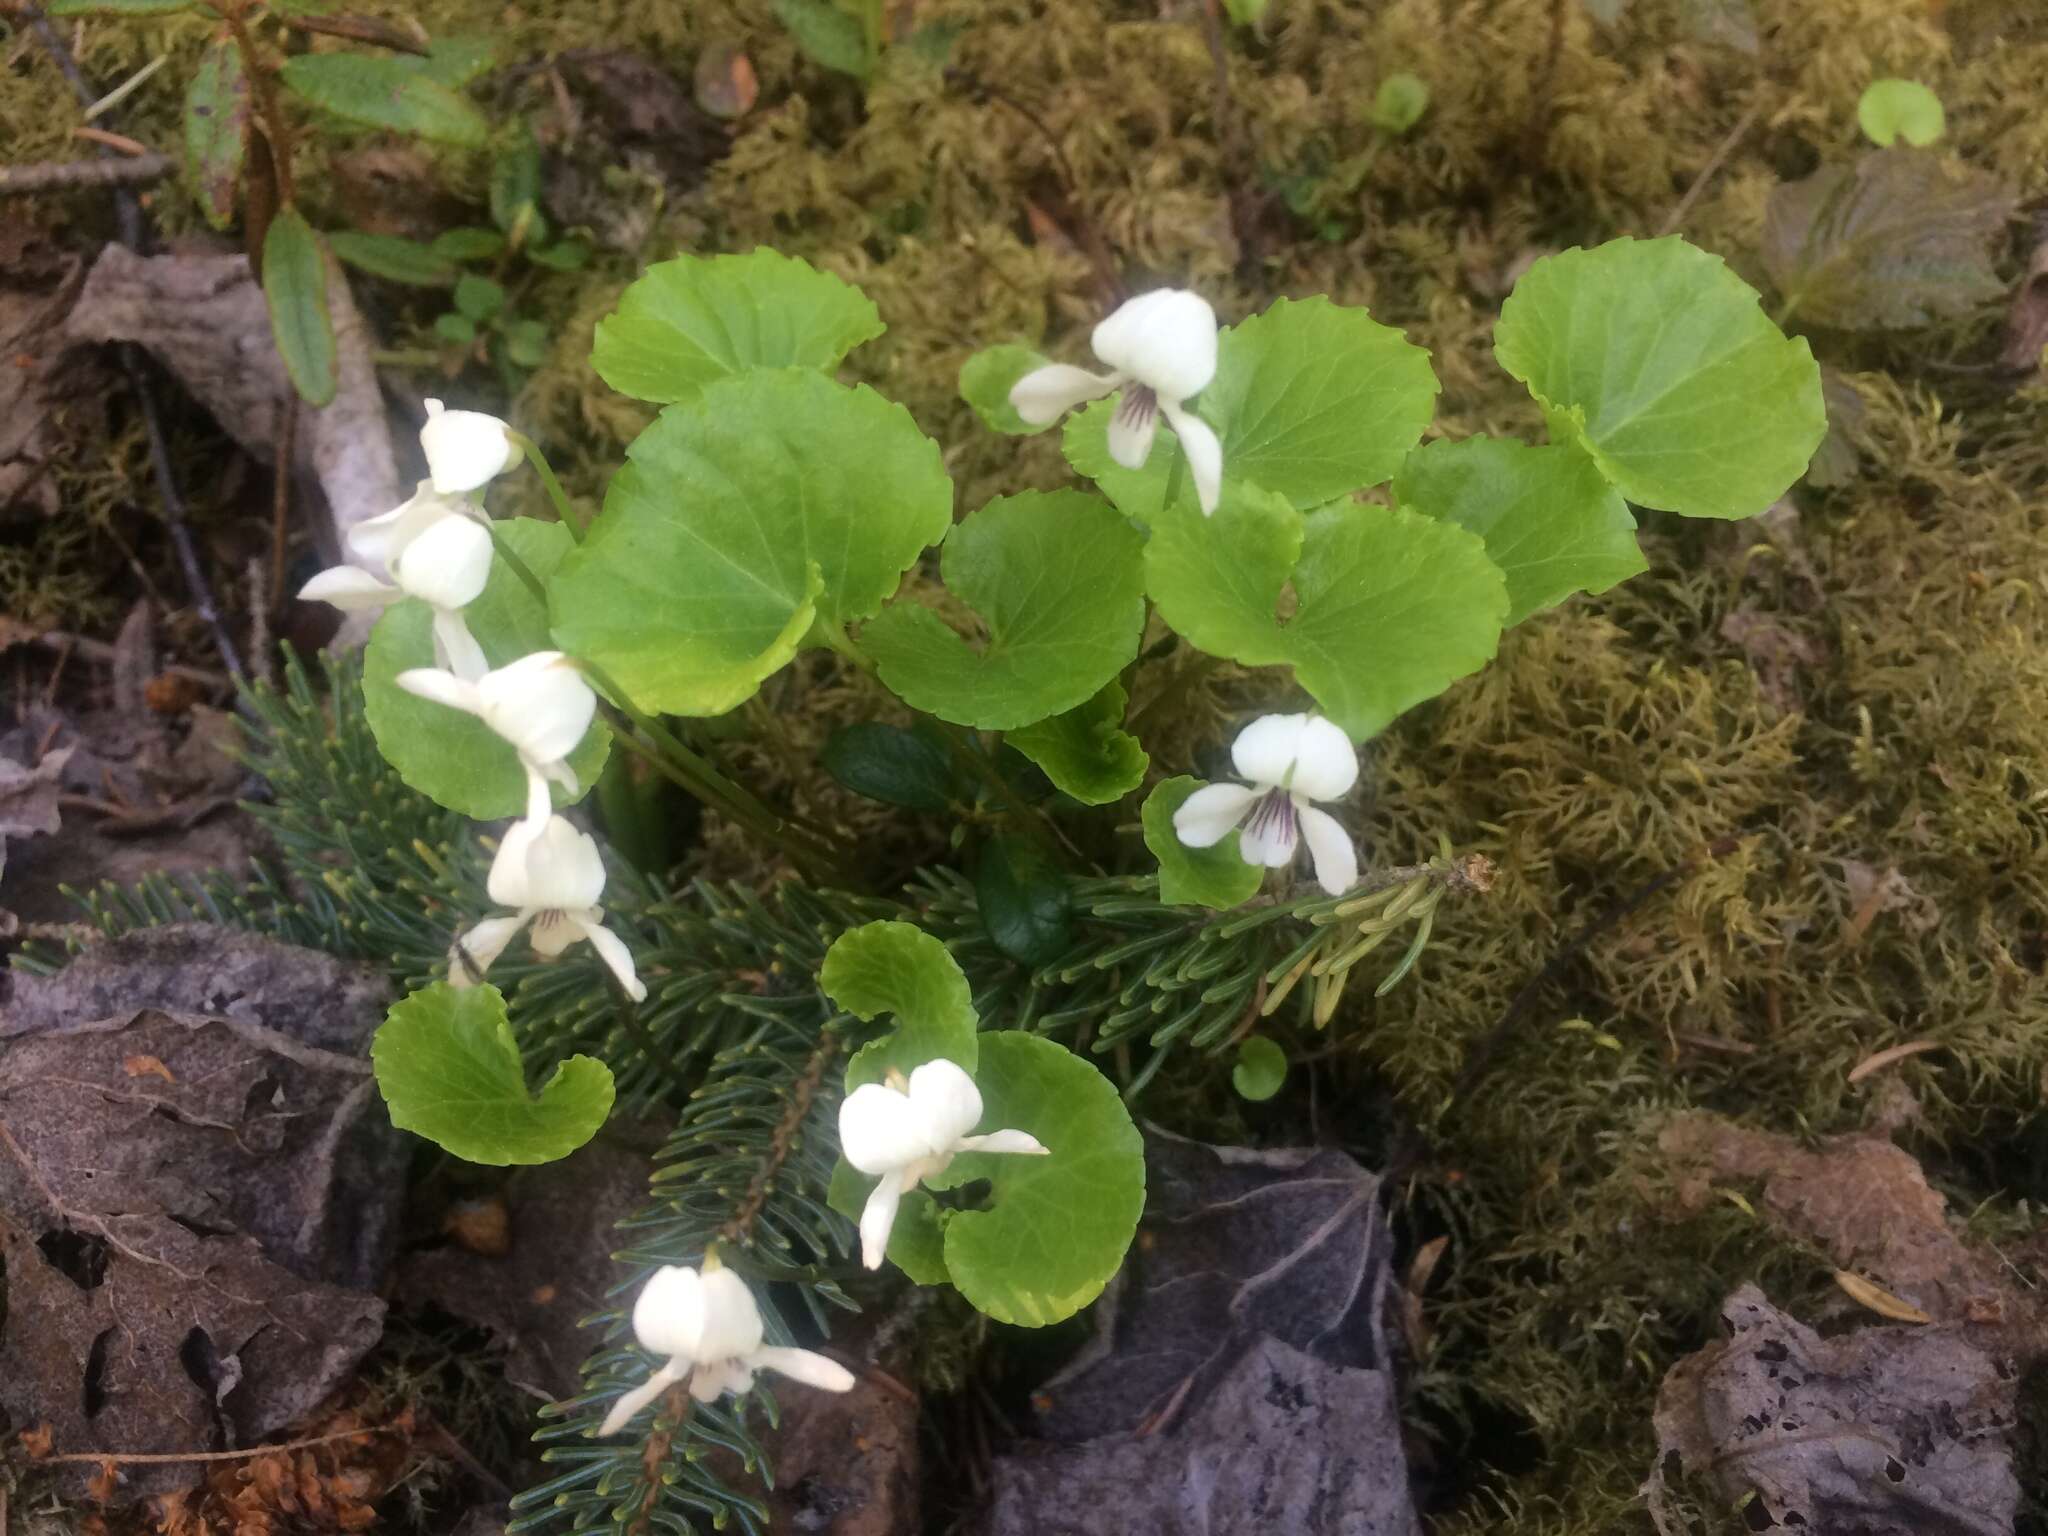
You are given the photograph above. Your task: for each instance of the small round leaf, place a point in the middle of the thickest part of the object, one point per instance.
(1890, 110)
(1261, 1069)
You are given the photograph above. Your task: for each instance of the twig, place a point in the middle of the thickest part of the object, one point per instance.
(126, 88)
(110, 140)
(57, 175)
(110, 1458)
(128, 216)
(358, 29)
(1707, 172)
(281, 498)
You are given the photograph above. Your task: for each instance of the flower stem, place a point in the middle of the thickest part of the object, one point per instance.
(560, 498)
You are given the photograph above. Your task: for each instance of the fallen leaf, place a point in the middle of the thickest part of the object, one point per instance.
(2026, 317)
(52, 395)
(1877, 1061)
(28, 798)
(1881, 1431)
(1878, 1299)
(140, 1066)
(1896, 238)
(726, 84)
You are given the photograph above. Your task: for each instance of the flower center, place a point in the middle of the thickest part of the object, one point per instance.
(1137, 407)
(1272, 819)
(549, 921)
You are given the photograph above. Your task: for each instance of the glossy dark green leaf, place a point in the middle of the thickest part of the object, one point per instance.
(1026, 906)
(890, 764)
(216, 131)
(295, 289)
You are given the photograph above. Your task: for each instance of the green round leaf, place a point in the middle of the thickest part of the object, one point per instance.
(1057, 578)
(917, 1245)
(449, 1070)
(1216, 876)
(216, 131)
(986, 380)
(1085, 750)
(1261, 1069)
(1057, 1226)
(1890, 110)
(691, 321)
(776, 499)
(1390, 607)
(1550, 520)
(899, 969)
(1311, 400)
(1399, 103)
(478, 297)
(295, 289)
(386, 93)
(1661, 363)
(446, 755)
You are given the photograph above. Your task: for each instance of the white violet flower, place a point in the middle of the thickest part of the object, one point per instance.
(552, 877)
(907, 1132)
(539, 703)
(435, 552)
(465, 449)
(1160, 348)
(710, 1328)
(1290, 760)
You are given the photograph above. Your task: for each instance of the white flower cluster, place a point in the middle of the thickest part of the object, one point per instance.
(437, 547)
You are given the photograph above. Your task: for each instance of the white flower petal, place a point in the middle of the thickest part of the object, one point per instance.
(877, 1217)
(668, 1315)
(475, 951)
(349, 588)
(442, 688)
(540, 703)
(1207, 816)
(540, 805)
(1330, 847)
(945, 1102)
(877, 1131)
(1272, 833)
(630, 1404)
(1133, 425)
(1199, 442)
(804, 1365)
(465, 449)
(1325, 762)
(611, 949)
(456, 648)
(1003, 1141)
(383, 538)
(511, 879)
(447, 565)
(732, 1318)
(563, 868)
(1165, 339)
(1265, 750)
(713, 1379)
(1045, 394)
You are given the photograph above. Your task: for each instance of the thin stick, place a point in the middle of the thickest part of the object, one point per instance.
(281, 498)
(59, 175)
(128, 212)
(105, 1458)
(126, 88)
(127, 146)
(1714, 163)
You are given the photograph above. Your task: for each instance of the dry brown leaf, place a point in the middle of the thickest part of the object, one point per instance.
(1878, 1299)
(1877, 1061)
(726, 83)
(138, 1066)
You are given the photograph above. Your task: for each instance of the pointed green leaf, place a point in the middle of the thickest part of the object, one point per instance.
(1216, 876)
(381, 92)
(446, 755)
(1550, 520)
(453, 59)
(295, 289)
(216, 131)
(1026, 907)
(899, 969)
(1057, 580)
(1311, 400)
(1662, 364)
(1085, 750)
(890, 764)
(826, 34)
(515, 180)
(1390, 607)
(774, 499)
(986, 380)
(695, 320)
(472, 243)
(449, 1070)
(1057, 1226)
(393, 257)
